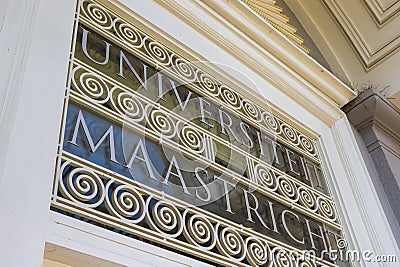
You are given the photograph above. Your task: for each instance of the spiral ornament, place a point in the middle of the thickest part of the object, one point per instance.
(157, 51)
(82, 185)
(97, 14)
(307, 144)
(289, 133)
(161, 122)
(257, 251)
(251, 110)
(266, 177)
(230, 243)
(126, 104)
(286, 187)
(191, 138)
(306, 198)
(281, 258)
(126, 203)
(326, 208)
(165, 218)
(128, 33)
(230, 97)
(199, 231)
(208, 83)
(271, 122)
(90, 85)
(307, 263)
(183, 68)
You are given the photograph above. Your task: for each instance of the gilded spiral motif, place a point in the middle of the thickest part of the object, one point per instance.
(97, 14)
(230, 97)
(251, 110)
(306, 198)
(157, 51)
(289, 133)
(281, 258)
(270, 122)
(208, 83)
(126, 203)
(128, 33)
(230, 243)
(199, 231)
(183, 68)
(257, 252)
(191, 138)
(286, 187)
(126, 104)
(265, 177)
(84, 186)
(326, 209)
(307, 144)
(161, 122)
(90, 85)
(164, 218)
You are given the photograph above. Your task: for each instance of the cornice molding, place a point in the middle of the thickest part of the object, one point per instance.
(383, 12)
(371, 111)
(376, 120)
(368, 57)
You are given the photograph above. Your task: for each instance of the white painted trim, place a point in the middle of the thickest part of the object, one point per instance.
(364, 222)
(35, 86)
(17, 23)
(107, 245)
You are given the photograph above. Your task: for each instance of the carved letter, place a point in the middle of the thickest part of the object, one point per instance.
(84, 48)
(122, 59)
(182, 105)
(226, 192)
(254, 209)
(203, 111)
(145, 158)
(93, 147)
(197, 170)
(292, 162)
(228, 126)
(245, 127)
(287, 229)
(311, 234)
(178, 174)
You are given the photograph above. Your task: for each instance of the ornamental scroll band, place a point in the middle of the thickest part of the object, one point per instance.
(135, 40)
(136, 110)
(132, 208)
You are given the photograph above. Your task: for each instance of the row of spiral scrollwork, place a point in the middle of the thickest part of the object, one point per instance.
(138, 110)
(294, 191)
(135, 109)
(136, 40)
(91, 190)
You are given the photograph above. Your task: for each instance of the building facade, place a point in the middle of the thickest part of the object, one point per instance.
(180, 133)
